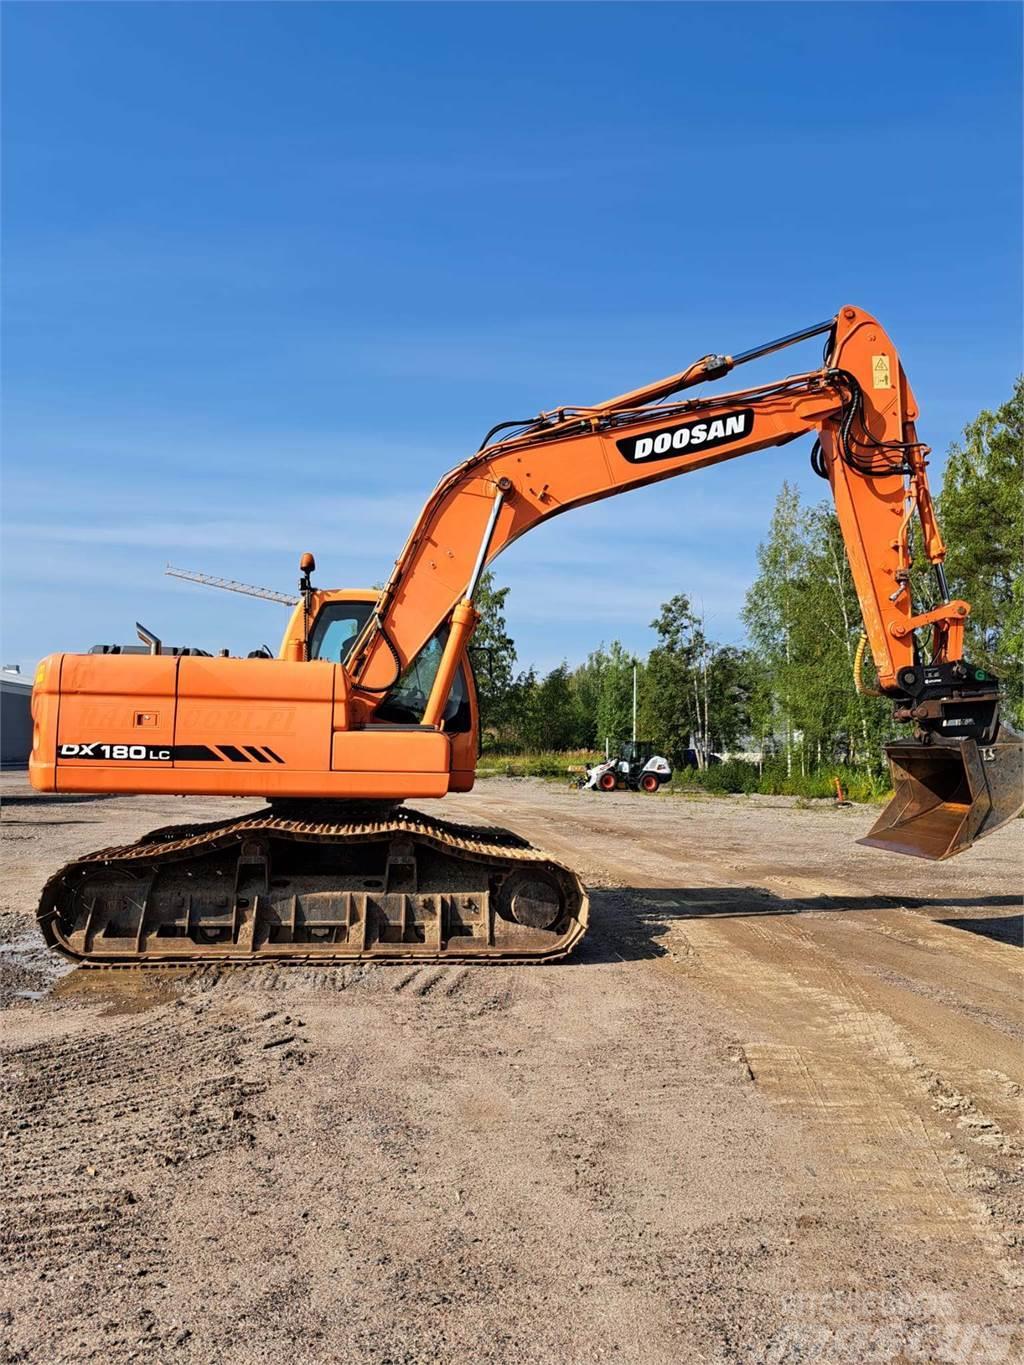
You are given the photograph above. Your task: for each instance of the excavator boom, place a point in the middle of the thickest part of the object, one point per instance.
(371, 699)
(859, 405)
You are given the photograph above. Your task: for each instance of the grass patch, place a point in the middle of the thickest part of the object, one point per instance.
(724, 779)
(546, 763)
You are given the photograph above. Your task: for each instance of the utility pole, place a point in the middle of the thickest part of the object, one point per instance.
(634, 703)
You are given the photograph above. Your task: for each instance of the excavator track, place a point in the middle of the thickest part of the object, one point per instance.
(301, 888)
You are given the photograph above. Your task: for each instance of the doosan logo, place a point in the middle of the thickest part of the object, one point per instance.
(673, 441)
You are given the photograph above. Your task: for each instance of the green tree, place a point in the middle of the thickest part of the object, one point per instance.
(542, 713)
(493, 653)
(559, 709)
(520, 713)
(804, 619)
(615, 697)
(982, 515)
(771, 613)
(696, 693)
(731, 679)
(586, 686)
(673, 713)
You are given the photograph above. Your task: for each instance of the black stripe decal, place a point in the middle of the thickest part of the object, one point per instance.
(235, 755)
(166, 753)
(194, 753)
(105, 752)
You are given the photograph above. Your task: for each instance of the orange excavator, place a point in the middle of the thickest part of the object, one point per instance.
(371, 699)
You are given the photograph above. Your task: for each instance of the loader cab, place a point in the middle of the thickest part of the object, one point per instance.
(638, 751)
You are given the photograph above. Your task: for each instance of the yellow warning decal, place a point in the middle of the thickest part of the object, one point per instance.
(880, 372)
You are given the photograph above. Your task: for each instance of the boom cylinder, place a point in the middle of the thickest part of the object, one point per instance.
(485, 544)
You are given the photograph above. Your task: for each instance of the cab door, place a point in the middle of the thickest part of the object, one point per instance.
(465, 737)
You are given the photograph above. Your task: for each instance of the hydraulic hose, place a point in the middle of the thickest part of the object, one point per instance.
(858, 665)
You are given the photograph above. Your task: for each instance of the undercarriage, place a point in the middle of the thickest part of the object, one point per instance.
(316, 883)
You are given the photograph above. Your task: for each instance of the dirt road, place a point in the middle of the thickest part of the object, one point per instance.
(769, 1112)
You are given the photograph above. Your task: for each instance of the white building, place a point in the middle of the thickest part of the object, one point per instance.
(15, 718)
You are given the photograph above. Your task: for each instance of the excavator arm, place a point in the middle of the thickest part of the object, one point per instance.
(859, 405)
(862, 410)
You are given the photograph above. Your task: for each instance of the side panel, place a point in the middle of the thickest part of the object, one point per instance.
(116, 710)
(411, 749)
(236, 779)
(462, 779)
(254, 713)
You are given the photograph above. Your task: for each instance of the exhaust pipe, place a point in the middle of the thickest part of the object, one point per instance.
(949, 794)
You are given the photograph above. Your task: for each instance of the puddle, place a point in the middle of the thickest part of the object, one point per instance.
(25, 945)
(122, 991)
(27, 970)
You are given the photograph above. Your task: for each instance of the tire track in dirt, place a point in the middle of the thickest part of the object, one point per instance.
(826, 1047)
(500, 1192)
(521, 1166)
(849, 1021)
(92, 1124)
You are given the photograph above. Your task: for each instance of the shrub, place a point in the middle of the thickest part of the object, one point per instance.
(737, 775)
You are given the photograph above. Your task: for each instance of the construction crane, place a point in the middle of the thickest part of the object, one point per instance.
(371, 698)
(209, 580)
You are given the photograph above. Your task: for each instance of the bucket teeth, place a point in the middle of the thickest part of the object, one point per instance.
(949, 794)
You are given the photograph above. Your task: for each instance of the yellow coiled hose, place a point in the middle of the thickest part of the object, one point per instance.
(858, 665)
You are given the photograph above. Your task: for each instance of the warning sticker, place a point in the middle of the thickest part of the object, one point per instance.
(880, 372)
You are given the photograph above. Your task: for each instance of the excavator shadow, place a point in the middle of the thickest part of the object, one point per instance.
(1000, 928)
(630, 923)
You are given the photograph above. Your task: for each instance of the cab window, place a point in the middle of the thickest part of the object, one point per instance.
(336, 629)
(407, 700)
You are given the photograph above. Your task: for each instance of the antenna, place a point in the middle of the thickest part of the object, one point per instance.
(230, 585)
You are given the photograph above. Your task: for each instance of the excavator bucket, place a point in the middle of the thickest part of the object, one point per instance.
(949, 794)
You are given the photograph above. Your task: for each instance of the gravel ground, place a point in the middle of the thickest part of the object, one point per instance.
(770, 1111)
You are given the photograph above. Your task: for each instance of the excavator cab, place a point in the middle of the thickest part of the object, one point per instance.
(336, 621)
(336, 628)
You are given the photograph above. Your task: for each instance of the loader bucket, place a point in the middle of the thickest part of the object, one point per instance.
(949, 794)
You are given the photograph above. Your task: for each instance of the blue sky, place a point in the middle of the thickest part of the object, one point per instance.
(270, 269)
